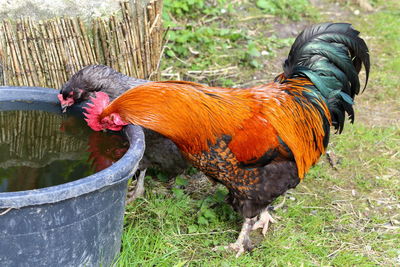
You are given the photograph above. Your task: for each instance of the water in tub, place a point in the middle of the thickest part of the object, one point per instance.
(40, 149)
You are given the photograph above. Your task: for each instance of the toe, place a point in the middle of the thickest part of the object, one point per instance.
(240, 252)
(265, 229)
(263, 222)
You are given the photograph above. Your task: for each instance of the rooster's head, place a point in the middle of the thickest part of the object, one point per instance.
(95, 117)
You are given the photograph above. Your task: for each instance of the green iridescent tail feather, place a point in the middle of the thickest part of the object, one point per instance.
(331, 56)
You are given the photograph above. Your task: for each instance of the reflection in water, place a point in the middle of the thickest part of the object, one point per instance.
(105, 151)
(40, 149)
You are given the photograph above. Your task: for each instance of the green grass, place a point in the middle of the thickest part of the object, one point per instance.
(209, 41)
(342, 216)
(382, 29)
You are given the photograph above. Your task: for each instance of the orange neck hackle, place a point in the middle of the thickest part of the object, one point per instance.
(187, 113)
(194, 116)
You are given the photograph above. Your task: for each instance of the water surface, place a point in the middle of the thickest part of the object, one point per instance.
(40, 149)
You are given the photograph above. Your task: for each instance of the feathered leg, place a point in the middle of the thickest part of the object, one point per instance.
(139, 188)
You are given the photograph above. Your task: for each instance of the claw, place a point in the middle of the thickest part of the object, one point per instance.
(263, 222)
(239, 248)
(243, 243)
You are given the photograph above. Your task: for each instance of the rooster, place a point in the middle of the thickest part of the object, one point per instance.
(161, 153)
(260, 141)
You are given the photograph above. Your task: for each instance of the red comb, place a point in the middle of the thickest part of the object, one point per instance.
(94, 109)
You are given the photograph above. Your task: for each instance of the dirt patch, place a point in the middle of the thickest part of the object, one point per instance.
(291, 29)
(378, 114)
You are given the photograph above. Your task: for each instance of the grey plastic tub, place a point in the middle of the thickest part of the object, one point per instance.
(73, 224)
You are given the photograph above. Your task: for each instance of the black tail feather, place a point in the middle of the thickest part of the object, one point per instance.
(331, 55)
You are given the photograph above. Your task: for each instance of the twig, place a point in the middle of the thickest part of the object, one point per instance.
(332, 158)
(280, 204)
(209, 233)
(322, 208)
(336, 251)
(5, 212)
(257, 17)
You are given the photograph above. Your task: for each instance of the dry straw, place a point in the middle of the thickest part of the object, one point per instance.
(47, 53)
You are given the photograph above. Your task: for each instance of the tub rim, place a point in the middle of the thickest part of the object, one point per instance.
(120, 171)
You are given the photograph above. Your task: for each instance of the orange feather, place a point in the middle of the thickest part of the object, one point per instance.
(194, 116)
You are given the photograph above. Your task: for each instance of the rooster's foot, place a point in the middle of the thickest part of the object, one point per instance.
(243, 243)
(263, 221)
(139, 188)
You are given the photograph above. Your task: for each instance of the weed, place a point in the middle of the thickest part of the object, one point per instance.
(294, 10)
(204, 36)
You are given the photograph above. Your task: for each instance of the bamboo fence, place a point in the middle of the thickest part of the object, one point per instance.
(46, 53)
